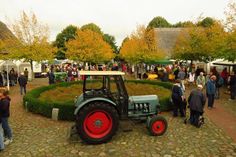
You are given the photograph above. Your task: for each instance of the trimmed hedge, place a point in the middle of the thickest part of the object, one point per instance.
(66, 109)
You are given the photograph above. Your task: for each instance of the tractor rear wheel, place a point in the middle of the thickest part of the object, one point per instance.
(97, 122)
(157, 126)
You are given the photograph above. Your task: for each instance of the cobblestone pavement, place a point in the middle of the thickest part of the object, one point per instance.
(38, 136)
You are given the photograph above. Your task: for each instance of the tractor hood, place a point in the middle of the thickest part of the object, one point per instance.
(143, 105)
(150, 99)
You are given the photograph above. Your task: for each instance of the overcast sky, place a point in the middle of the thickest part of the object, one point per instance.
(116, 17)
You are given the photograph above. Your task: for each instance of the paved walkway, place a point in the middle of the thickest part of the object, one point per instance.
(223, 114)
(223, 119)
(37, 136)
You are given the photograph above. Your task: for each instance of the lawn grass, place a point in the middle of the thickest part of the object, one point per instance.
(67, 94)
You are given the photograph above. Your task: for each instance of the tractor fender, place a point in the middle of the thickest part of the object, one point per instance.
(93, 100)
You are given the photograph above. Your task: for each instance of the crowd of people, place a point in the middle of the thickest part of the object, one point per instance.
(197, 98)
(12, 77)
(211, 83)
(72, 71)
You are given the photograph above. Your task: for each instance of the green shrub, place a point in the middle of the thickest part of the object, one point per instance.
(60, 76)
(66, 109)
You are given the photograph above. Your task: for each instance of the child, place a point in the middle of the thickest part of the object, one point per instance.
(5, 113)
(1, 135)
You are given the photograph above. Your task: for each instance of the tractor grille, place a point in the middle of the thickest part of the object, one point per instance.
(144, 107)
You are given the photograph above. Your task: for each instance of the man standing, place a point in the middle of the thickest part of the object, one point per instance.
(181, 76)
(196, 102)
(69, 74)
(51, 77)
(177, 98)
(210, 91)
(22, 82)
(12, 77)
(201, 80)
(26, 73)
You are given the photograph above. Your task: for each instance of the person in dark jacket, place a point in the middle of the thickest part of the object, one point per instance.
(196, 102)
(22, 82)
(5, 114)
(12, 77)
(232, 84)
(210, 91)
(177, 98)
(51, 77)
(2, 146)
(26, 73)
(1, 80)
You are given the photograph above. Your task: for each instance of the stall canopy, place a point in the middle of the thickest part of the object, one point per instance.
(225, 63)
(162, 62)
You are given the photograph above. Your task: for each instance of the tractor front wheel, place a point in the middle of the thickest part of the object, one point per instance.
(97, 122)
(157, 126)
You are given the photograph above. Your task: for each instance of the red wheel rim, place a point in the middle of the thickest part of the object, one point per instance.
(158, 127)
(98, 124)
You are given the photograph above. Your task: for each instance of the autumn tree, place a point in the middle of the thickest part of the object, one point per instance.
(184, 24)
(141, 47)
(228, 51)
(231, 16)
(89, 46)
(158, 22)
(189, 44)
(93, 27)
(33, 40)
(106, 37)
(206, 22)
(66, 34)
(111, 41)
(200, 43)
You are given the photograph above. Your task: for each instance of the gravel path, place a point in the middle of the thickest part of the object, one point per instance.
(37, 136)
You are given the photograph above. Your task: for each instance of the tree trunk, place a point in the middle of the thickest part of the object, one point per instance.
(136, 71)
(191, 65)
(142, 70)
(32, 70)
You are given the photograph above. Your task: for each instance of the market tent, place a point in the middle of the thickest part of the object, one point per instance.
(5, 63)
(162, 62)
(225, 63)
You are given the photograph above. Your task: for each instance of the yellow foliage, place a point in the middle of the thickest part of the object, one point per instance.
(231, 16)
(200, 43)
(32, 44)
(89, 46)
(141, 47)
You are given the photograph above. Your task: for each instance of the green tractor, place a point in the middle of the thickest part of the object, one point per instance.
(105, 101)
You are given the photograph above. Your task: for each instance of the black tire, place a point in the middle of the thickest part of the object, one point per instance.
(157, 126)
(91, 109)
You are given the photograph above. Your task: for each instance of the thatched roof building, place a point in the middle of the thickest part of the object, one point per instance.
(166, 38)
(6, 35)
